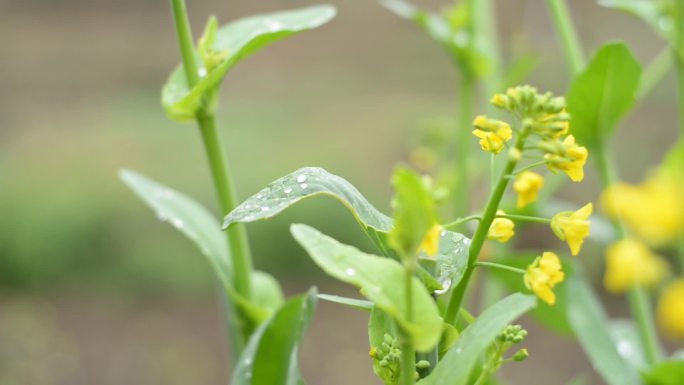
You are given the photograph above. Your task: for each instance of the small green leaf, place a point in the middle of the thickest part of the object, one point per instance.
(270, 357)
(456, 365)
(238, 40)
(590, 324)
(313, 181)
(665, 373)
(602, 94)
(381, 280)
(414, 212)
(351, 302)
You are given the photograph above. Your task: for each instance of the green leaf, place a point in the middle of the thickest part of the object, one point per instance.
(351, 302)
(602, 94)
(591, 327)
(554, 317)
(456, 365)
(270, 357)
(314, 181)
(237, 40)
(414, 212)
(665, 373)
(201, 227)
(381, 280)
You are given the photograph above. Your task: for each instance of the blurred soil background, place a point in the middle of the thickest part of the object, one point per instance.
(93, 290)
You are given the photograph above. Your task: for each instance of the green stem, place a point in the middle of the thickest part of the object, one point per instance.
(500, 266)
(680, 88)
(218, 162)
(461, 221)
(525, 218)
(641, 308)
(480, 236)
(639, 303)
(465, 113)
(571, 43)
(408, 354)
(655, 71)
(529, 167)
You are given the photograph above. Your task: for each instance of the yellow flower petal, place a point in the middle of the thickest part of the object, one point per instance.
(543, 275)
(430, 243)
(502, 229)
(630, 262)
(573, 227)
(527, 185)
(670, 311)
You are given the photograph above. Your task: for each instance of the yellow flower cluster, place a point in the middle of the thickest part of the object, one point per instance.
(653, 210)
(543, 275)
(573, 227)
(631, 263)
(493, 133)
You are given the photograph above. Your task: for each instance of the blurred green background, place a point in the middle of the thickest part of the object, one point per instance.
(93, 289)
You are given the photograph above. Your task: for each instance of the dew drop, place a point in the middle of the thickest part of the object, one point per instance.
(259, 196)
(458, 350)
(202, 72)
(265, 208)
(301, 178)
(442, 234)
(288, 190)
(177, 223)
(350, 271)
(303, 186)
(446, 285)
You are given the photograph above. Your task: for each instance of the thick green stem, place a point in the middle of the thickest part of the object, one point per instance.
(480, 237)
(566, 29)
(465, 113)
(641, 308)
(408, 354)
(639, 302)
(218, 162)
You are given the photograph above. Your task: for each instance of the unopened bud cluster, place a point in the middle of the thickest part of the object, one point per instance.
(513, 334)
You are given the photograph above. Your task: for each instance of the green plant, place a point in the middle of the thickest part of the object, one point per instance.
(416, 285)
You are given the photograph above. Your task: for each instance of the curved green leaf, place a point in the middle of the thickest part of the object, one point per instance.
(666, 373)
(314, 181)
(455, 367)
(602, 94)
(237, 40)
(201, 227)
(590, 325)
(380, 279)
(270, 357)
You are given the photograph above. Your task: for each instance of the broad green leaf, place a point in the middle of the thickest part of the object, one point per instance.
(456, 365)
(351, 302)
(553, 317)
(237, 40)
(665, 373)
(627, 342)
(414, 212)
(591, 327)
(270, 357)
(381, 280)
(201, 227)
(313, 181)
(602, 94)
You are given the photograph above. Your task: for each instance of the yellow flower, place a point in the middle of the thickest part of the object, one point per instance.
(430, 243)
(654, 210)
(501, 229)
(493, 134)
(629, 263)
(671, 310)
(571, 161)
(527, 185)
(543, 275)
(573, 227)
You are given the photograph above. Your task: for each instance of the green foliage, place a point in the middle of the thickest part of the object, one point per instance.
(602, 94)
(457, 364)
(351, 302)
(228, 45)
(414, 212)
(270, 357)
(313, 181)
(665, 373)
(591, 327)
(381, 280)
(202, 228)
